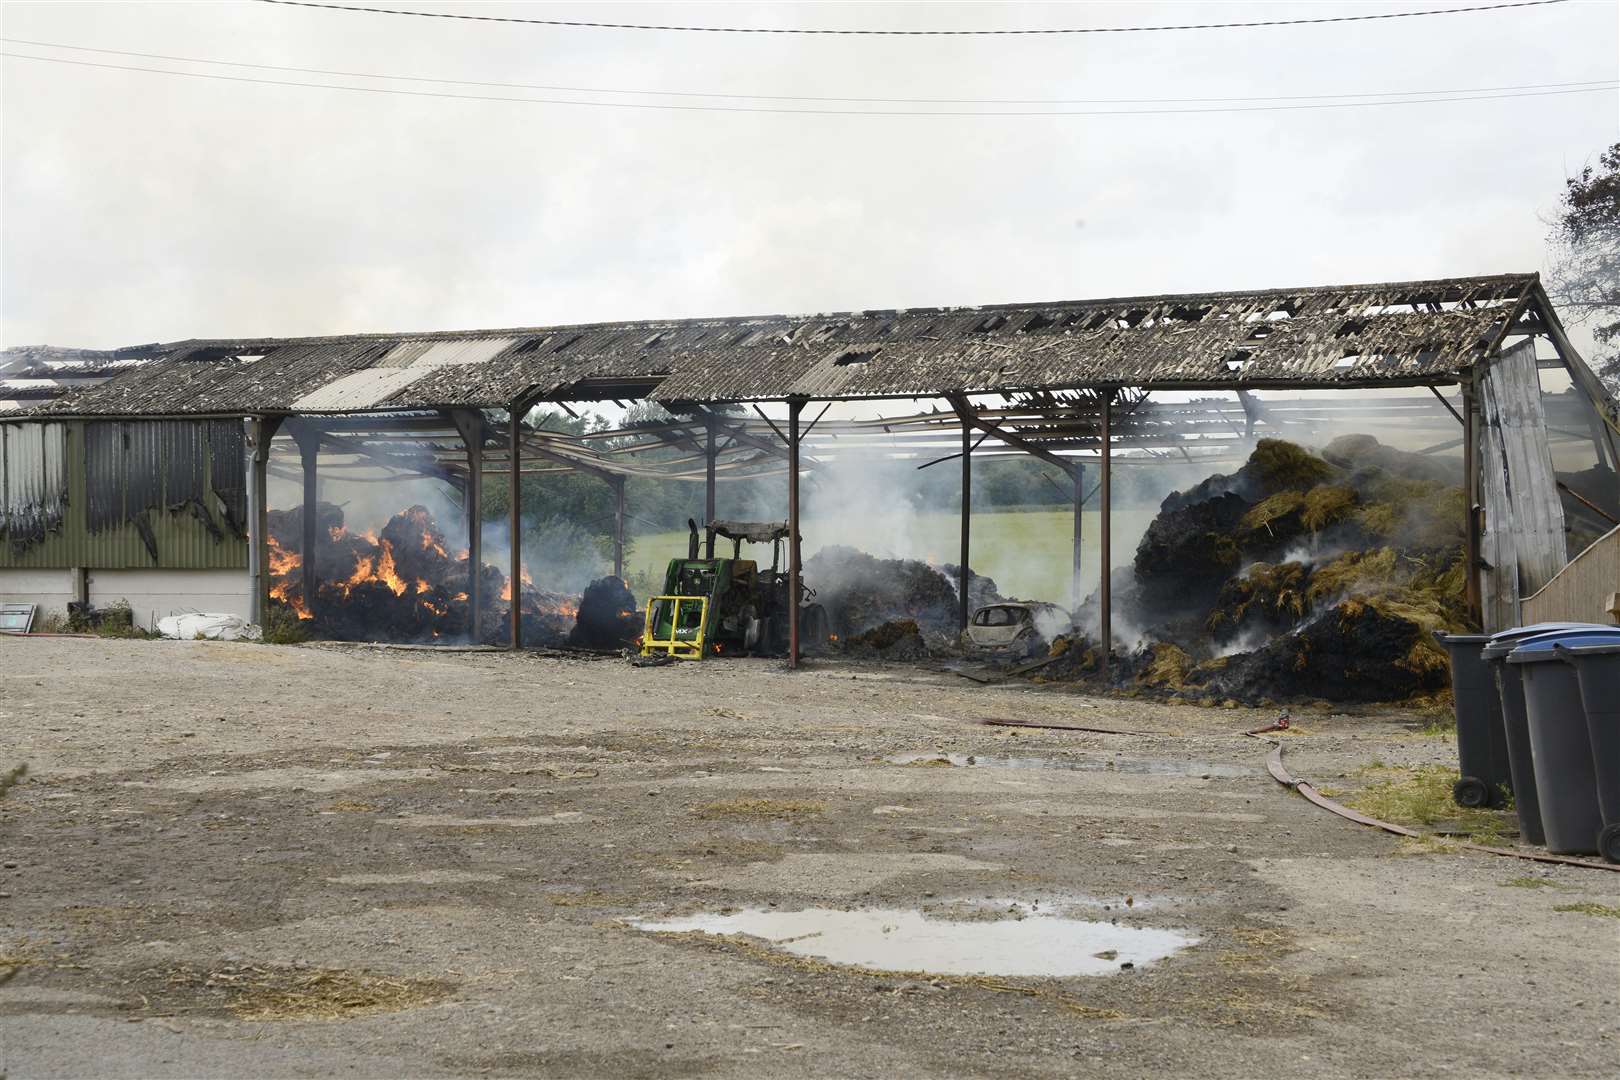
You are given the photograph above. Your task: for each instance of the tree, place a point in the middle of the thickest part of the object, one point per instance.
(1585, 279)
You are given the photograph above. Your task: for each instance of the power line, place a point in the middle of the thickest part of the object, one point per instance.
(666, 107)
(580, 24)
(1416, 94)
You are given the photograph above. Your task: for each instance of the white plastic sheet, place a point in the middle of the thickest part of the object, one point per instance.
(213, 627)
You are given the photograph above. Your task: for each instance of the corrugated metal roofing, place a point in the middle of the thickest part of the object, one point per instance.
(1358, 335)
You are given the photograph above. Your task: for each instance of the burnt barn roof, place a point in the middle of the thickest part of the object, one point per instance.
(1401, 333)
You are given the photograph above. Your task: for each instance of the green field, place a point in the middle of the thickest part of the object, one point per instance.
(1028, 553)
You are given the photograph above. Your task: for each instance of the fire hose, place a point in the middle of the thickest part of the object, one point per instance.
(1274, 765)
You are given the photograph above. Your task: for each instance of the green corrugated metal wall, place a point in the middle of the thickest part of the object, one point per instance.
(183, 542)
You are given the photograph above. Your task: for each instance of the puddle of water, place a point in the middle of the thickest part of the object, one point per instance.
(1150, 766)
(906, 940)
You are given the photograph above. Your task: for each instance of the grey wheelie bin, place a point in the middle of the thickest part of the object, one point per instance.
(1597, 669)
(1515, 727)
(1561, 750)
(1482, 753)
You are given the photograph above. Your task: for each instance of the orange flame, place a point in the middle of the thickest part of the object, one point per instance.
(386, 572)
(282, 565)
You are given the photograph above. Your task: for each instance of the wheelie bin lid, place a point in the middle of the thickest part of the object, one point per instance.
(1505, 641)
(1460, 639)
(1545, 646)
(1603, 648)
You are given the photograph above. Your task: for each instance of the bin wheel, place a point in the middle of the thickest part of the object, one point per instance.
(1609, 842)
(1470, 792)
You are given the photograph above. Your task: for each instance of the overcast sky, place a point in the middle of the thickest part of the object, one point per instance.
(141, 207)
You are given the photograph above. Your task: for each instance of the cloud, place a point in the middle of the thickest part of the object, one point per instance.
(140, 208)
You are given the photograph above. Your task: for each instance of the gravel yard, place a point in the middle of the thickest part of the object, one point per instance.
(319, 860)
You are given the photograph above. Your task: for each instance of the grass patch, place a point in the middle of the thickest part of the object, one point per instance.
(1530, 883)
(1602, 910)
(759, 808)
(117, 620)
(283, 627)
(1422, 797)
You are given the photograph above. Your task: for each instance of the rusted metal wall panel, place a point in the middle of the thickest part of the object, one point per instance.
(33, 482)
(1524, 514)
(1580, 591)
(148, 510)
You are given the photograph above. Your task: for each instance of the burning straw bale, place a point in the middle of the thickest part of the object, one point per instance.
(402, 584)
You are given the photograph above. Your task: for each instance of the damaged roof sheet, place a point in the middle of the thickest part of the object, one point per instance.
(1356, 335)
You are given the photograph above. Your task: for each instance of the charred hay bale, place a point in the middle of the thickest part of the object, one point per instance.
(861, 592)
(1276, 465)
(286, 527)
(608, 617)
(1361, 453)
(1188, 551)
(1428, 587)
(1164, 666)
(1358, 650)
(899, 639)
(982, 590)
(889, 634)
(1264, 598)
(1202, 535)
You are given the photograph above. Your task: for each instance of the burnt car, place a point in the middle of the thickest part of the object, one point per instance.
(1017, 627)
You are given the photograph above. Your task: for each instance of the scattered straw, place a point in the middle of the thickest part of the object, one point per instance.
(759, 808)
(1530, 883)
(1602, 910)
(259, 993)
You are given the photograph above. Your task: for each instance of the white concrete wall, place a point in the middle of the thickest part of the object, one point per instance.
(153, 594)
(50, 589)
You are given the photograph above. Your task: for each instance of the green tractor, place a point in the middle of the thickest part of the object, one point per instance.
(729, 607)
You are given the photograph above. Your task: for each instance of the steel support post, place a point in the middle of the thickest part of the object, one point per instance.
(963, 607)
(1075, 595)
(709, 455)
(514, 442)
(260, 430)
(1104, 537)
(470, 424)
(794, 409)
(309, 452)
(1471, 489)
(618, 527)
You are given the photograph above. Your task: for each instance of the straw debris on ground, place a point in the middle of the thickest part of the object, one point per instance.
(289, 993)
(759, 808)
